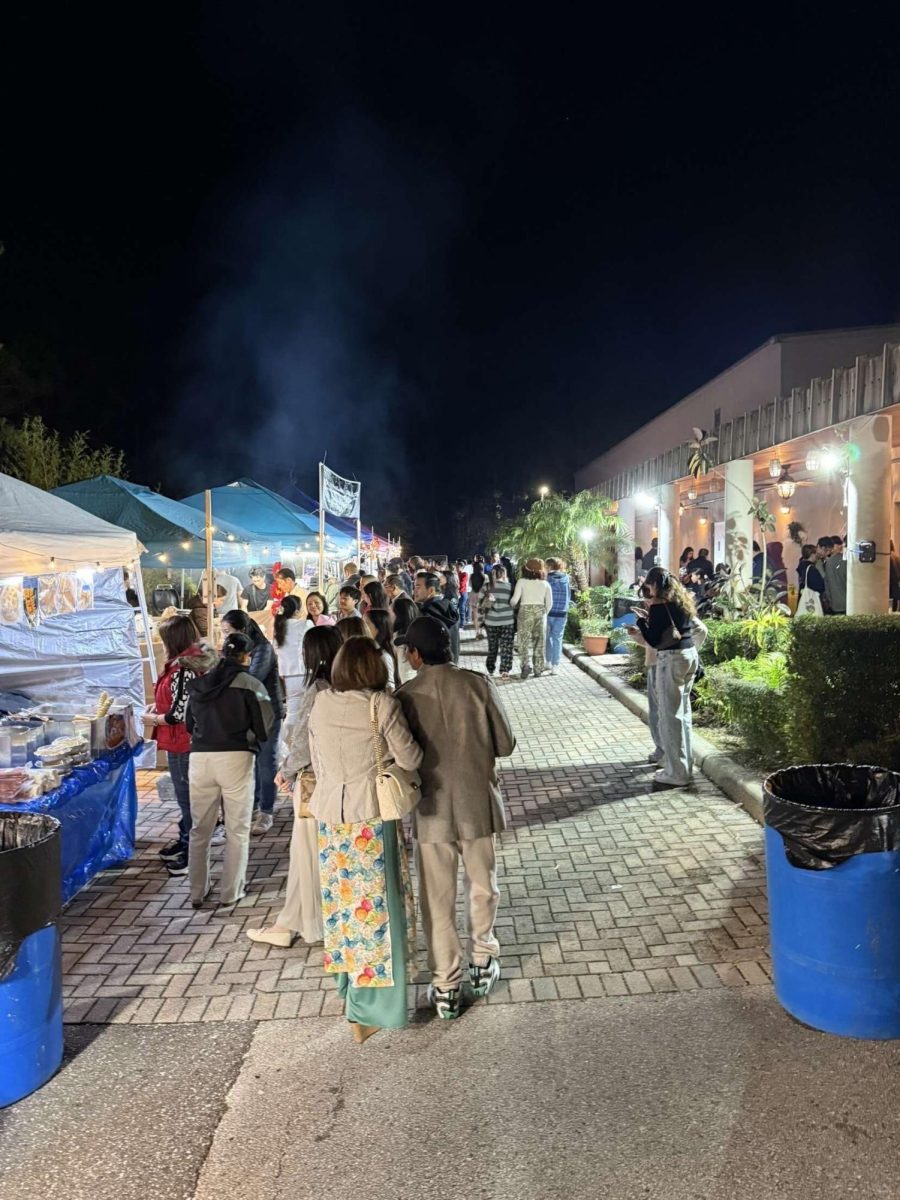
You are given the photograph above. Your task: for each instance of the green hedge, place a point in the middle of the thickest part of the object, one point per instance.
(843, 691)
(749, 697)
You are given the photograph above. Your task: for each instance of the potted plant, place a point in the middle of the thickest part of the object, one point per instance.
(595, 633)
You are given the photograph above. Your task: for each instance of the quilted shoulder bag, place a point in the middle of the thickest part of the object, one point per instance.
(398, 790)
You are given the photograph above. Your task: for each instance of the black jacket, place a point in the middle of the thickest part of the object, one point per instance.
(444, 610)
(228, 710)
(264, 667)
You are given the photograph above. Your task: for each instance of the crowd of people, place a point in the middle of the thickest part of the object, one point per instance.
(323, 698)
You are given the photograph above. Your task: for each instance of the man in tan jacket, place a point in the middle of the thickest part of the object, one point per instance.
(460, 723)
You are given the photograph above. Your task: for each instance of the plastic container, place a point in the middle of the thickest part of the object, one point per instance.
(833, 874)
(31, 1024)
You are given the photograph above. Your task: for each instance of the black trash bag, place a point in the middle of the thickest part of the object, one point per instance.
(826, 814)
(30, 880)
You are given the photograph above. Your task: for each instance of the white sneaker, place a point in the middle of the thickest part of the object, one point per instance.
(262, 823)
(218, 836)
(551, 670)
(661, 779)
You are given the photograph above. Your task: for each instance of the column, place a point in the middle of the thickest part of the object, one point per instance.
(895, 527)
(626, 545)
(869, 513)
(668, 527)
(738, 521)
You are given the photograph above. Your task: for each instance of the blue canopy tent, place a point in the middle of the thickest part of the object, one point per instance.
(173, 533)
(281, 529)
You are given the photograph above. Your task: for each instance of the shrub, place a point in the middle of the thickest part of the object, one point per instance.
(573, 626)
(729, 640)
(749, 697)
(843, 693)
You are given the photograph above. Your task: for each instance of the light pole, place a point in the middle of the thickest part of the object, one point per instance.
(544, 490)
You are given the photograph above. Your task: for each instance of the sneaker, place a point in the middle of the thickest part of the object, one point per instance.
(484, 978)
(218, 836)
(177, 866)
(444, 1003)
(526, 671)
(172, 851)
(655, 756)
(662, 780)
(232, 903)
(200, 903)
(551, 670)
(262, 823)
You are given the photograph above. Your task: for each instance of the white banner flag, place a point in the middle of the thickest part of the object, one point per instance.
(339, 496)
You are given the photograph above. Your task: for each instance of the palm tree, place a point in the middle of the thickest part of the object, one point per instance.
(581, 529)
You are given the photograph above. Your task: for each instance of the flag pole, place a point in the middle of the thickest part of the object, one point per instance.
(210, 578)
(321, 531)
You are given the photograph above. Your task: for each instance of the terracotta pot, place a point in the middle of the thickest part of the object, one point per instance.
(595, 645)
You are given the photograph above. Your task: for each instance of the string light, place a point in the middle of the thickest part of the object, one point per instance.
(52, 562)
(775, 468)
(185, 545)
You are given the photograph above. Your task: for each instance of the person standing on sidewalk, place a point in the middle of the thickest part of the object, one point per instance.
(228, 717)
(264, 667)
(432, 604)
(463, 576)
(667, 625)
(301, 915)
(495, 612)
(477, 582)
(187, 658)
(561, 592)
(460, 723)
(532, 601)
(367, 901)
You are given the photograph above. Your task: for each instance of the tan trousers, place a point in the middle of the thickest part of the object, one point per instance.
(302, 912)
(229, 777)
(436, 866)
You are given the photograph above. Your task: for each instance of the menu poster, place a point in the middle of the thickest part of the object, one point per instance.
(30, 599)
(85, 593)
(10, 602)
(47, 595)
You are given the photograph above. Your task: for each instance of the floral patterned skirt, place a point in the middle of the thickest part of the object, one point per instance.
(362, 867)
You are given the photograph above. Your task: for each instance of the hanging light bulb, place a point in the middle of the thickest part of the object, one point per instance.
(185, 545)
(231, 537)
(775, 468)
(785, 487)
(785, 508)
(692, 494)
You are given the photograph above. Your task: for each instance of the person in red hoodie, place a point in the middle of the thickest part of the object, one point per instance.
(186, 659)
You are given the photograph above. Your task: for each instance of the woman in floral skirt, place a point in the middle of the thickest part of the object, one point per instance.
(367, 901)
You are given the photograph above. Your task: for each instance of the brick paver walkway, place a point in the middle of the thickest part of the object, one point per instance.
(608, 888)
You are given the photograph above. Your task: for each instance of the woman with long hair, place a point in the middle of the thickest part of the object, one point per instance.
(317, 609)
(404, 612)
(374, 595)
(367, 901)
(187, 658)
(301, 915)
(687, 556)
(477, 583)
(380, 629)
(667, 625)
(532, 600)
(290, 629)
(229, 718)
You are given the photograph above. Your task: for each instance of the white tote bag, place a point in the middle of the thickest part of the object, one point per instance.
(809, 604)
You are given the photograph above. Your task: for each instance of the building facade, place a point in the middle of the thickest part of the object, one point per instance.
(808, 422)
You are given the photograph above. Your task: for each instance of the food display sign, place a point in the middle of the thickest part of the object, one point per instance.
(36, 598)
(10, 602)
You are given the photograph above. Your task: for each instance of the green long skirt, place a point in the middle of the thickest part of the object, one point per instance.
(384, 1006)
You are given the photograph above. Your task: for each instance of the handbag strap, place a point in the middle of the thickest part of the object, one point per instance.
(376, 733)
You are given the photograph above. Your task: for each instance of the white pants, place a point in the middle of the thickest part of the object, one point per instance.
(293, 695)
(675, 671)
(302, 912)
(653, 705)
(227, 777)
(436, 865)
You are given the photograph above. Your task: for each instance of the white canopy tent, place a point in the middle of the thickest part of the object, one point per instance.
(76, 654)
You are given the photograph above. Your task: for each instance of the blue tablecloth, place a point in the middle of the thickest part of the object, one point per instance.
(97, 807)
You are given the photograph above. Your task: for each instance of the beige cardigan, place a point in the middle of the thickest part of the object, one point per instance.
(343, 753)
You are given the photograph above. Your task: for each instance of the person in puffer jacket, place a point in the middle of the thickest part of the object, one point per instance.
(187, 658)
(229, 717)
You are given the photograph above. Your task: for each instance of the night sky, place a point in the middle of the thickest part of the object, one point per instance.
(460, 251)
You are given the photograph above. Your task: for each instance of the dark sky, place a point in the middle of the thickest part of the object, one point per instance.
(459, 250)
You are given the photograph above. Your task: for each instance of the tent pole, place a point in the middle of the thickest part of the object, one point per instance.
(210, 578)
(182, 587)
(359, 544)
(145, 616)
(321, 532)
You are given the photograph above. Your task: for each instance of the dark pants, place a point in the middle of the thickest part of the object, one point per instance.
(463, 610)
(178, 769)
(502, 638)
(454, 642)
(266, 767)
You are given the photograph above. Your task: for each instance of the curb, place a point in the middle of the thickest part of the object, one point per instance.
(739, 784)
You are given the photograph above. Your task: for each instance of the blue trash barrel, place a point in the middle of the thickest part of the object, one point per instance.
(836, 941)
(31, 1017)
(833, 868)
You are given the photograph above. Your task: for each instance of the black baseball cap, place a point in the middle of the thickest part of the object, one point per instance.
(427, 635)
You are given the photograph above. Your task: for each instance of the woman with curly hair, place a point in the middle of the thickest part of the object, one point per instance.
(667, 625)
